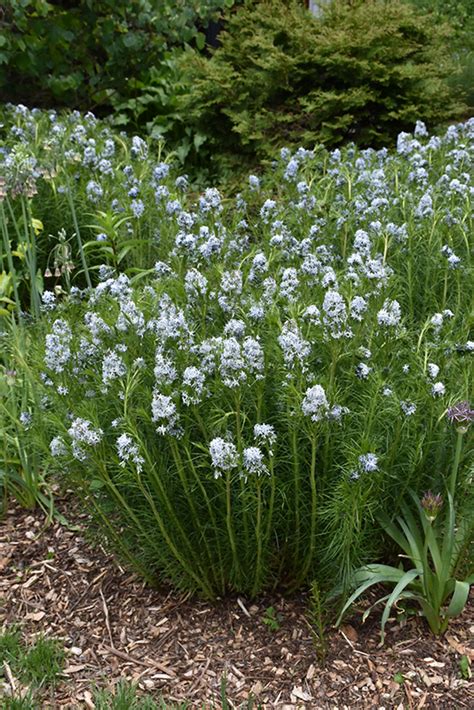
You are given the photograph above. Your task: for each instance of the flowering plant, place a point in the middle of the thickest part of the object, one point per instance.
(434, 544)
(236, 415)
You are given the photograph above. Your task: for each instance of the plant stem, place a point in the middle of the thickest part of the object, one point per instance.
(243, 488)
(312, 539)
(230, 527)
(259, 540)
(11, 267)
(78, 237)
(297, 484)
(454, 471)
(189, 497)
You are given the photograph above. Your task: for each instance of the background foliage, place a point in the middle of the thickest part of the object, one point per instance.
(88, 54)
(363, 72)
(282, 77)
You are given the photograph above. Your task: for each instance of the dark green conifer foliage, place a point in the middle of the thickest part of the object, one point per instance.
(364, 73)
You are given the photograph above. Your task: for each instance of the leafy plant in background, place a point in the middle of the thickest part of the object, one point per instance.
(435, 542)
(238, 418)
(363, 72)
(92, 55)
(460, 15)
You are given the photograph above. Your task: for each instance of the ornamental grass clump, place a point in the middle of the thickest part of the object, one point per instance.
(241, 417)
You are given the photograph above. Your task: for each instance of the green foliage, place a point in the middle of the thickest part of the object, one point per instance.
(460, 15)
(43, 662)
(10, 646)
(88, 54)
(24, 702)
(38, 665)
(433, 543)
(125, 697)
(465, 668)
(363, 73)
(320, 608)
(22, 473)
(271, 619)
(240, 299)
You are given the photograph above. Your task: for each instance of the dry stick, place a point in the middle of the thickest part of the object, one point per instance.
(107, 620)
(9, 675)
(149, 664)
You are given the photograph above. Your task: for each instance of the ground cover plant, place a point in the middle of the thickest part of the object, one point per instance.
(239, 398)
(36, 668)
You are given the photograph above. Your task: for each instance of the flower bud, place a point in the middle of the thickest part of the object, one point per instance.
(431, 504)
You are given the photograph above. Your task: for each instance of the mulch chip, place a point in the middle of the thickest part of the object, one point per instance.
(113, 627)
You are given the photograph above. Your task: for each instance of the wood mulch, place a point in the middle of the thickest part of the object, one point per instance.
(112, 627)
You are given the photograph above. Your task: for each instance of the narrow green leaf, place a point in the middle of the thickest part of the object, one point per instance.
(407, 578)
(459, 598)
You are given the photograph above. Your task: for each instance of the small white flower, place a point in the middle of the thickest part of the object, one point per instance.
(438, 389)
(363, 371)
(128, 451)
(58, 447)
(433, 370)
(224, 456)
(315, 403)
(368, 462)
(408, 408)
(390, 314)
(163, 411)
(253, 461)
(264, 434)
(26, 419)
(193, 381)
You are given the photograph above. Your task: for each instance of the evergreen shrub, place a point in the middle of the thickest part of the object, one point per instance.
(363, 72)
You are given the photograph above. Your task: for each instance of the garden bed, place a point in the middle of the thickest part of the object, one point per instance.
(180, 648)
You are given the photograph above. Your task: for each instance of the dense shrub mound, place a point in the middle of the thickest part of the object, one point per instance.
(364, 72)
(237, 416)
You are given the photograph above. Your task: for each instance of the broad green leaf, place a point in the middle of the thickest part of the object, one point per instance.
(416, 552)
(391, 529)
(200, 40)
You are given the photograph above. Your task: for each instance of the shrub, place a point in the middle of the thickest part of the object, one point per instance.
(363, 73)
(242, 418)
(90, 54)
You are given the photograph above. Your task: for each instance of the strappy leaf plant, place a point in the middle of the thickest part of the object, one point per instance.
(434, 542)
